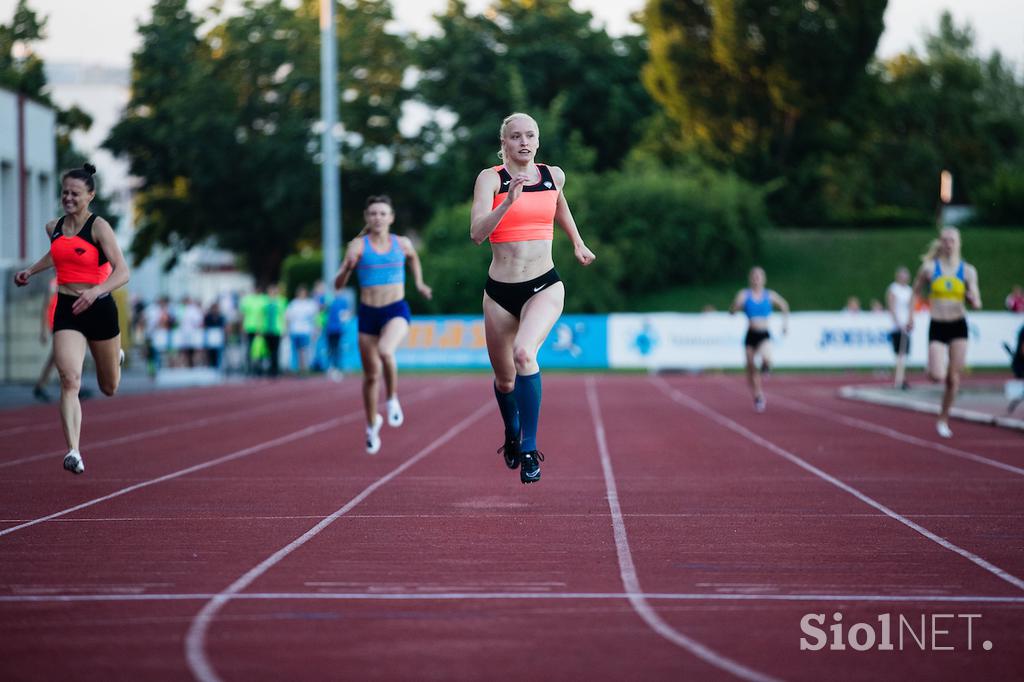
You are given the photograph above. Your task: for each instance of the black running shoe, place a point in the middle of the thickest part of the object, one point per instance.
(510, 450)
(530, 471)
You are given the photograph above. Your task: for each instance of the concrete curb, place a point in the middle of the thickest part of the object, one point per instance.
(877, 396)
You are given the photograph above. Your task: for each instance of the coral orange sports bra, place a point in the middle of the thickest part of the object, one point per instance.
(78, 259)
(532, 215)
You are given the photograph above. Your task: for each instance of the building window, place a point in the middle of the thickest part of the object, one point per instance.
(8, 212)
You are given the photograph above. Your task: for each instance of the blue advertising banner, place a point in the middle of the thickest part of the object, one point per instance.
(454, 341)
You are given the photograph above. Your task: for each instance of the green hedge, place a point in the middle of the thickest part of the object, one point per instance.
(817, 269)
(301, 269)
(1001, 201)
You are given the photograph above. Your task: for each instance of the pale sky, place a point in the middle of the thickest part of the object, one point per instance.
(103, 31)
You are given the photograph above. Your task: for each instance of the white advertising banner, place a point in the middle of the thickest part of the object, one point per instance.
(707, 340)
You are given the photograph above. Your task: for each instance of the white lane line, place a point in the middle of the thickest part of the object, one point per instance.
(511, 596)
(272, 406)
(489, 513)
(627, 570)
(115, 414)
(896, 435)
(295, 435)
(722, 420)
(195, 644)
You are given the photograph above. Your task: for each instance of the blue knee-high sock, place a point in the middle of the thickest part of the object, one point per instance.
(527, 394)
(509, 411)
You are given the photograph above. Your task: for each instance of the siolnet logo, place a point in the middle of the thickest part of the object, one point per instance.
(932, 632)
(79, 250)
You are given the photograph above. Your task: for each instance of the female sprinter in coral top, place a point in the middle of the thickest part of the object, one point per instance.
(89, 266)
(515, 206)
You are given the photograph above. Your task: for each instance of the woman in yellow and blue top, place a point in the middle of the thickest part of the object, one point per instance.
(757, 302)
(949, 284)
(379, 258)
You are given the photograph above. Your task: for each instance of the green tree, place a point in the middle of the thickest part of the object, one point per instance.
(753, 86)
(944, 109)
(21, 69)
(538, 56)
(223, 128)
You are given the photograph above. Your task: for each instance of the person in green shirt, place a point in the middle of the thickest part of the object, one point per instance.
(253, 308)
(275, 324)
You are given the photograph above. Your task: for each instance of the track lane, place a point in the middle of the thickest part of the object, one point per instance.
(962, 500)
(461, 520)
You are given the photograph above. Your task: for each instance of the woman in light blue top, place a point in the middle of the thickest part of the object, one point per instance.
(757, 303)
(379, 259)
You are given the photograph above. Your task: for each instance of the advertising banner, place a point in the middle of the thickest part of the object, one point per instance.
(453, 341)
(706, 340)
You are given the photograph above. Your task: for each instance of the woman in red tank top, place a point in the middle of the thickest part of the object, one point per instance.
(89, 266)
(515, 207)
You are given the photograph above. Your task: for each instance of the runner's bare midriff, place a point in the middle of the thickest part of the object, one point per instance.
(946, 311)
(520, 261)
(381, 295)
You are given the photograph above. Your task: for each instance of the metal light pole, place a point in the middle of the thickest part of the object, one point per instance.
(330, 211)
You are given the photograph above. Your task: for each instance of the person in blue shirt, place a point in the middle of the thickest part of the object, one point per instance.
(336, 314)
(379, 258)
(757, 302)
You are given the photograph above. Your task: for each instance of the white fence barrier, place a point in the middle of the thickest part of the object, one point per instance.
(715, 340)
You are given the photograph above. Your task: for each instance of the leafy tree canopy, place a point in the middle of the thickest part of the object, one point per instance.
(538, 56)
(223, 127)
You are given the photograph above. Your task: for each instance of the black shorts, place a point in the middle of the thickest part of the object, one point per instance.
(944, 332)
(900, 340)
(512, 296)
(97, 323)
(755, 337)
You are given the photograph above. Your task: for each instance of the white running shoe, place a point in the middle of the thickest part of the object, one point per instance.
(120, 360)
(759, 404)
(373, 436)
(943, 429)
(73, 462)
(395, 416)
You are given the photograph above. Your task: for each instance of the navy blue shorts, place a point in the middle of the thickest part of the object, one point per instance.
(372, 320)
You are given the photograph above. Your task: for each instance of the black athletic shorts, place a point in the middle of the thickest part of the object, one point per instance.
(900, 340)
(512, 296)
(755, 337)
(97, 323)
(944, 332)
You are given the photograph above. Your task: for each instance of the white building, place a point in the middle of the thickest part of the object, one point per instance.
(28, 200)
(28, 177)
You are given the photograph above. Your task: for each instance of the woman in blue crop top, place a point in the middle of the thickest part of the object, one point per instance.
(757, 303)
(378, 258)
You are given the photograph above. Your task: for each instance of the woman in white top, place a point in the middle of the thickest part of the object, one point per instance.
(300, 318)
(897, 302)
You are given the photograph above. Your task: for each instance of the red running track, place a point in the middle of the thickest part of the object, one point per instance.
(242, 533)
